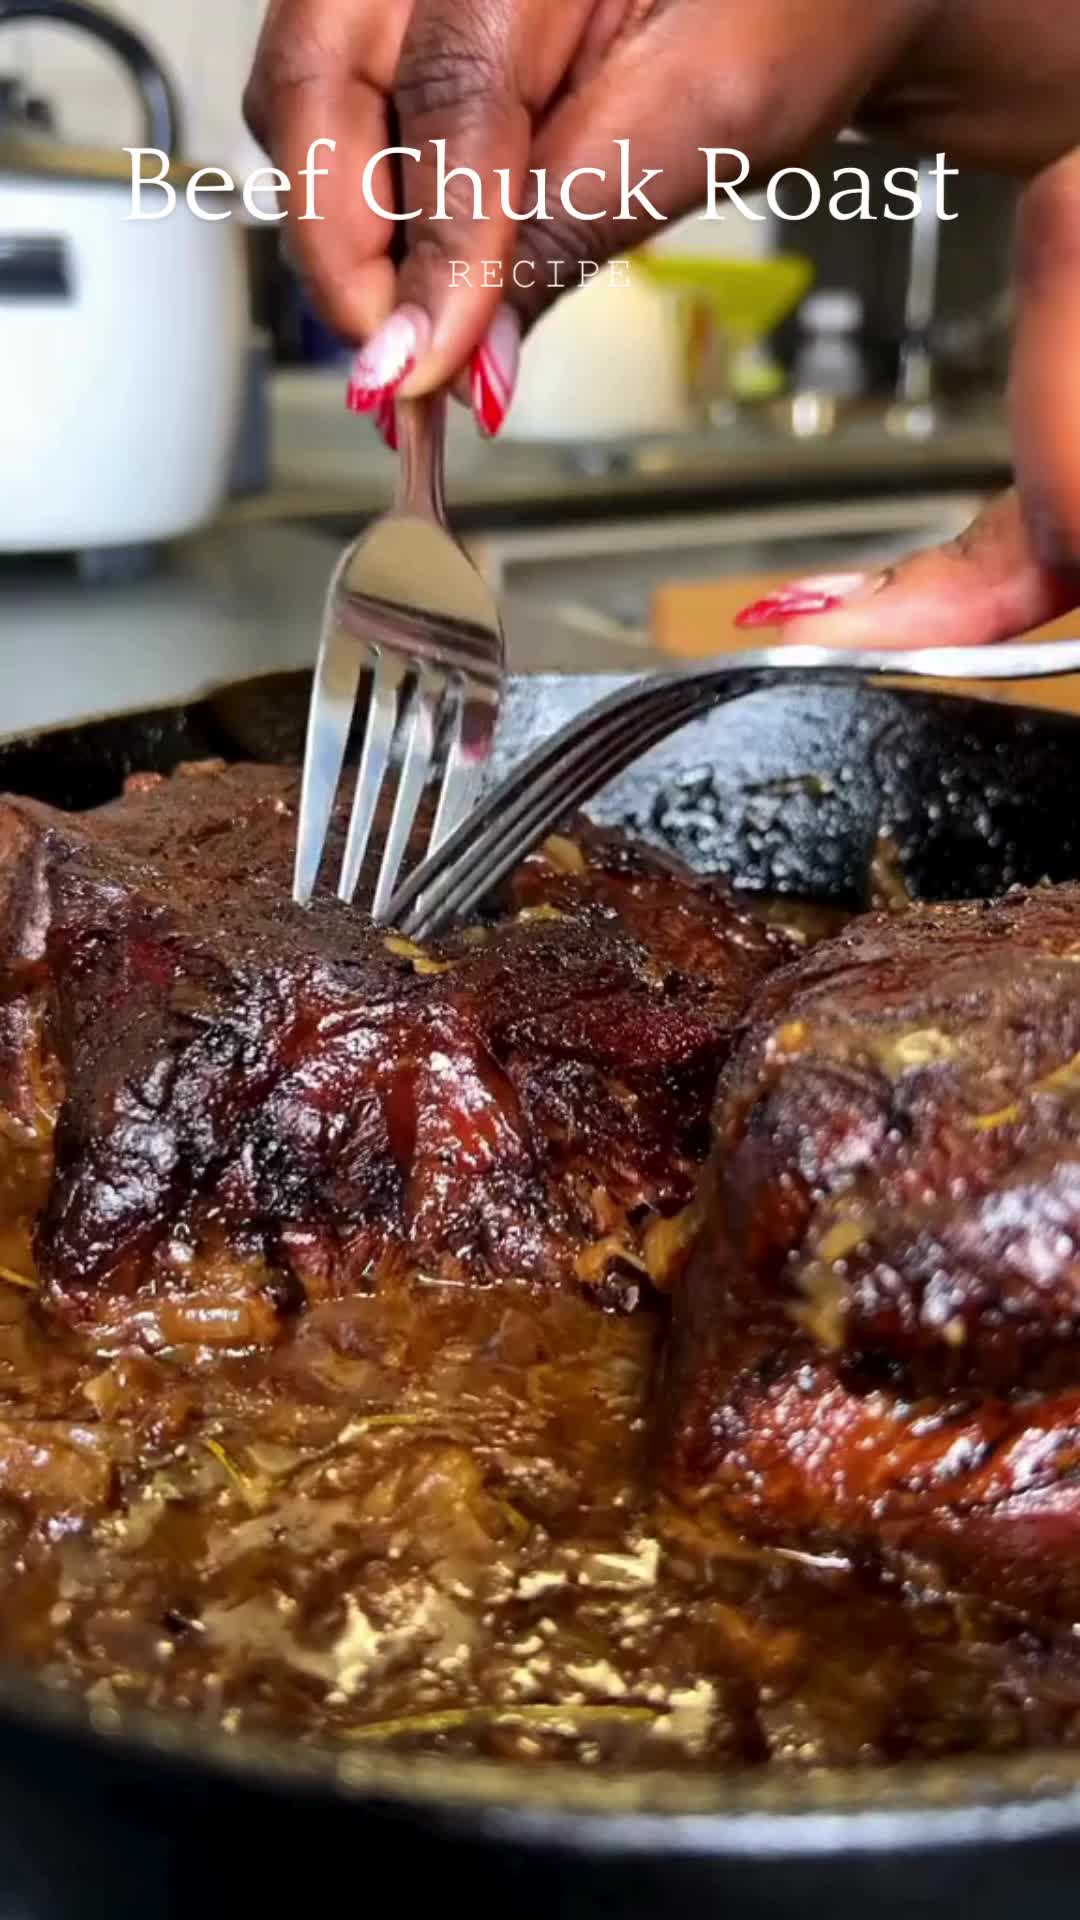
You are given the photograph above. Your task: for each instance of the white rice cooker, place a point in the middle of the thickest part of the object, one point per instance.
(121, 342)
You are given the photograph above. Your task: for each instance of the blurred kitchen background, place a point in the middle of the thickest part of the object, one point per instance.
(759, 402)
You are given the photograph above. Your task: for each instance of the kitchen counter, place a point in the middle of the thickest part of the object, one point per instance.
(327, 464)
(247, 599)
(246, 596)
(237, 600)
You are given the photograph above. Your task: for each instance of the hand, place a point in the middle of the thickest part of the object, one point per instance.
(518, 84)
(1018, 565)
(552, 83)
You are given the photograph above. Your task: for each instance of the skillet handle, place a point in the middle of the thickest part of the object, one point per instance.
(162, 115)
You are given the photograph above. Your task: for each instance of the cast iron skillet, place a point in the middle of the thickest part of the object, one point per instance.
(132, 1816)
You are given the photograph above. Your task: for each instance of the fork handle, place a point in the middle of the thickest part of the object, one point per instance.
(421, 428)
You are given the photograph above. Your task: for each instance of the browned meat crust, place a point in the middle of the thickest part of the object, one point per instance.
(875, 1345)
(256, 1103)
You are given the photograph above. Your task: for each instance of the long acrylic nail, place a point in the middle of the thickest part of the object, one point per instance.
(389, 357)
(493, 372)
(818, 595)
(384, 415)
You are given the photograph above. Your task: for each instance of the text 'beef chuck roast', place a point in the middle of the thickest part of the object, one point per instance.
(254, 1103)
(875, 1345)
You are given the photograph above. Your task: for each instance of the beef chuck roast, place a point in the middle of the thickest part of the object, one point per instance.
(875, 1346)
(253, 1102)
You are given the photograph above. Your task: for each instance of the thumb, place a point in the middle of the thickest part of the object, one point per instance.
(989, 584)
(471, 76)
(459, 108)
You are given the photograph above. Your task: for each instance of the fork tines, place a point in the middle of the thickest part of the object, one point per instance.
(434, 694)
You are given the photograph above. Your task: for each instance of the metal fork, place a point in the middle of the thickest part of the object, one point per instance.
(591, 749)
(405, 601)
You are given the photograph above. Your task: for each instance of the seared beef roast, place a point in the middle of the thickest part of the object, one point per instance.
(215, 1108)
(424, 1511)
(875, 1346)
(254, 1104)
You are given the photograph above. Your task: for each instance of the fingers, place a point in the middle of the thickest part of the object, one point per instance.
(1045, 393)
(987, 585)
(323, 72)
(494, 89)
(1018, 566)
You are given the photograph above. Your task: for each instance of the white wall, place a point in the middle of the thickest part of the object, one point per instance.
(206, 44)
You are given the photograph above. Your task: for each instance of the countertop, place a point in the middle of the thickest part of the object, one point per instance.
(236, 600)
(246, 596)
(329, 464)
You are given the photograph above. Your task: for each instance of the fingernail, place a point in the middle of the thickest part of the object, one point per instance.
(802, 597)
(493, 372)
(388, 359)
(385, 417)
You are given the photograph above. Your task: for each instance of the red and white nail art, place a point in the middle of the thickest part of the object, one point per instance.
(493, 372)
(388, 358)
(384, 415)
(818, 595)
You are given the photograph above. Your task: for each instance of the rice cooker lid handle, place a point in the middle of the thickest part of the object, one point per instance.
(161, 112)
